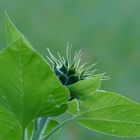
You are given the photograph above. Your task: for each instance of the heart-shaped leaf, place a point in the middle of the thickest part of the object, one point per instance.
(28, 87)
(13, 34)
(108, 113)
(10, 128)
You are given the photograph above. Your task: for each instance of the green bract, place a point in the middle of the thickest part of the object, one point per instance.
(84, 88)
(31, 94)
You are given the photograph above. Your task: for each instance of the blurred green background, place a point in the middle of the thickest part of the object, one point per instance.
(108, 32)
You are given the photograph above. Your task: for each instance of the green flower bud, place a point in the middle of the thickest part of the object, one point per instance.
(68, 69)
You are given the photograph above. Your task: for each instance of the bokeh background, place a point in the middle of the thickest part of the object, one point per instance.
(108, 32)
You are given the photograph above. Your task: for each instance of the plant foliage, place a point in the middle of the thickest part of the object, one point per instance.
(32, 93)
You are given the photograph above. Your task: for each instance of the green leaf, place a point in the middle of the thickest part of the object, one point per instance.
(9, 126)
(85, 88)
(28, 87)
(109, 113)
(50, 126)
(12, 33)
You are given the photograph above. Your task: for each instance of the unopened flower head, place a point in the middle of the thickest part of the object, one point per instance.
(68, 69)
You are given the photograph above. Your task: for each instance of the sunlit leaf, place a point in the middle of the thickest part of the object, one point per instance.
(12, 33)
(108, 113)
(9, 126)
(28, 88)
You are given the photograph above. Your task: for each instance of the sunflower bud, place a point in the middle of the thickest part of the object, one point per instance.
(70, 71)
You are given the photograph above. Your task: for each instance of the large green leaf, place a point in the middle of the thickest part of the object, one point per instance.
(12, 33)
(108, 113)
(9, 126)
(28, 87)
(85, 88)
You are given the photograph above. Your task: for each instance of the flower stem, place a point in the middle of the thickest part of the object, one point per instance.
(39, 127)
(58, 127)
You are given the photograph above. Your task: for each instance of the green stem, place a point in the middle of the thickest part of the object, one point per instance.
(57, 128)
(39, 127)
(26, 134)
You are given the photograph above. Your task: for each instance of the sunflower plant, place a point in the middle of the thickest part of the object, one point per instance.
(34, 93)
